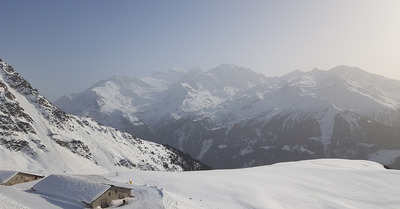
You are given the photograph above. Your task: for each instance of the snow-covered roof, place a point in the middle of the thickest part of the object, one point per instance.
(32, 173)
(6, 175)
(71, 187)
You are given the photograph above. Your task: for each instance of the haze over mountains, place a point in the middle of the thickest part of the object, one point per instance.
(37, 136)
(230, 116)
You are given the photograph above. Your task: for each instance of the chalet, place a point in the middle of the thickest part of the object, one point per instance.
(80, 189)
(8, 178)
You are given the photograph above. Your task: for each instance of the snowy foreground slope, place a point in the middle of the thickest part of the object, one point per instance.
(327, 183)
(37, 136)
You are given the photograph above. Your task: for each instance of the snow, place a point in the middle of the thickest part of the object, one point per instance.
(322, 183)
(246, 150)
(7, 203)
(6, 175)
(326, 183)
(222, 146)
(366, 145)
(119, 202)
(234, 95)
(385, 157)
(204, 148)
(326, 124)
(56, 145)
(307, 184)
(266, 147)
(71, 187)
(297, 148)
(172, 92)
(17, 198)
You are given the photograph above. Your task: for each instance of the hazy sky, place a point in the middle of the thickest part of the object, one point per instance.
(65, 46)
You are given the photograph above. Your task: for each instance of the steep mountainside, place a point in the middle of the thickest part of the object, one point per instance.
(36, 135)
(232, 117)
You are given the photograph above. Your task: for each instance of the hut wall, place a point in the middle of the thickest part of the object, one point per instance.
(21, 178)
(113, 193)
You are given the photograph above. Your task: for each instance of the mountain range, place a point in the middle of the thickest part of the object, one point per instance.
(232, 117)
(37, 136)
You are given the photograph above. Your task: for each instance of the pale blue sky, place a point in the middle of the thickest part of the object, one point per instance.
(65, 46)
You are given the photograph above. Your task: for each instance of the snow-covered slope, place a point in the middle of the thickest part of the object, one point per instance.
(36, 135)
(232, 117)
(328, 183)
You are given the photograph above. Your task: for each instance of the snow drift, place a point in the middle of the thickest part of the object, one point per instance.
(328, 183)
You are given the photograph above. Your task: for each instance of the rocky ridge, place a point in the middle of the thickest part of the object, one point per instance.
(232, 117)
(36, 135)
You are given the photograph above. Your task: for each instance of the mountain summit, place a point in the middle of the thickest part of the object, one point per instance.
(36, 135)
(232, 117)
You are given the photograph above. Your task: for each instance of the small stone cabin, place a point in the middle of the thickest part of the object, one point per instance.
(8, 178)
(91, 192)
(113, 193)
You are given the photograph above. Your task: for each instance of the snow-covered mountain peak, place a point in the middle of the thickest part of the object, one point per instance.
(234, 74)
(124, 81)
(18, 90)
(226, 68)
(347, 74)
(36, 135)
(134, 84)
(342, 84)
(347, 70)
(294, 73)
(363, 84)
(224, 81)
(342, 71)
(229, 114)
(170, 76)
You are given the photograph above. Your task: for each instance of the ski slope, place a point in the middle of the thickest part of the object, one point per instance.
(323, 183)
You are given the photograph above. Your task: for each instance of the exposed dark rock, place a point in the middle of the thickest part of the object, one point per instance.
(18, 134)
(185, 160)
(76, 147)
(14, 144)
(126, 163)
